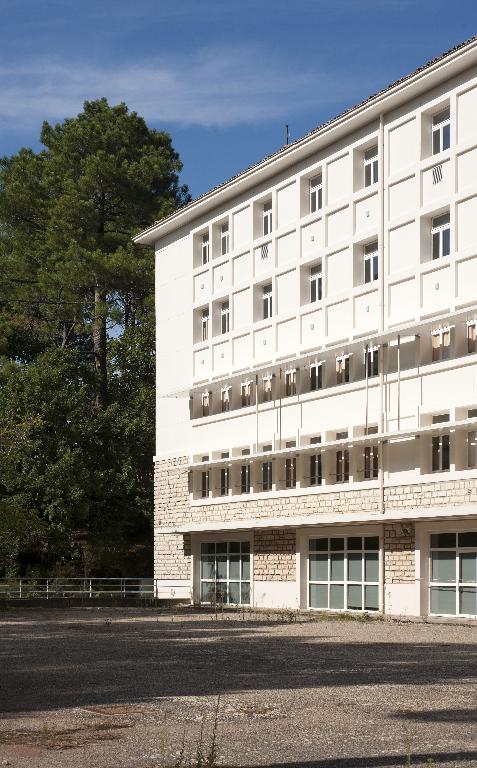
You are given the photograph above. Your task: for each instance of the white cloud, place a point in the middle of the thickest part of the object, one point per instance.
(212, 87)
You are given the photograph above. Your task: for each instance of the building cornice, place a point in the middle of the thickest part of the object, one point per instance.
(430, 75)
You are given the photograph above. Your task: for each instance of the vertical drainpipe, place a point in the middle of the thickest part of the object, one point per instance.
(256, 413)
(399, 381)
(280, 412)
(381, 355)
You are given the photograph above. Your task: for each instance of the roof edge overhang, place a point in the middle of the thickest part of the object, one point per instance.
(322, 519)
(448, 65)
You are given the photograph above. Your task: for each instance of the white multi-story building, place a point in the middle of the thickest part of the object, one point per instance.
(317, 365)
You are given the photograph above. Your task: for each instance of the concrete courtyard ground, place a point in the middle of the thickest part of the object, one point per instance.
(124, 688)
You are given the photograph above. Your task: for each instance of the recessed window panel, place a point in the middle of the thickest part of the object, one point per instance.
(319, 567)
(443, 600)
(371, 598)
(336, 545)
(443, 566)
(337, 596)
(453, 573)
(225, 572)
(355, 542)
(468, 567)
(355, 598)
(371, 566)
(468, 600)
(468, 539)
(443, 540)
(355, 566)
(318, 596)
(371, 542)
(318, 545)
(337, 566)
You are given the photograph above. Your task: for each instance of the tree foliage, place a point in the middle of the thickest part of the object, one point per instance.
(76, 338)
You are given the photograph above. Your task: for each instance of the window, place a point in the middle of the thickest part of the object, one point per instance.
(441, 131)
(342, 369)
(372, 361)
(205, 249)
(371, 166)
(471, 338)
(440, 236)
(290, 473)
(246, 393)
(371, 262)
(245, 478)
(290, 382)
(267, 218)
(224, 481)
(316, 376)
(343, 573)
(440, 344)
(225, 572)
(267, 476)
(453, 573)
(205, 484)
(205, 324)
(315, 284)
(225, 399)
(316, 194)
(224, 239)
(342, 466)
(440, 449)
(267, 389)
(316, 472)
(267, 301)
(205, 403)
(225, 317)
(371, 462)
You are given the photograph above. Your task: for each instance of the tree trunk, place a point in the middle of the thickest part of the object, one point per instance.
(99, 345)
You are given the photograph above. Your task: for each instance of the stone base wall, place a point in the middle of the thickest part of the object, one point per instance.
(172, 557)
(399, 553)
(274, 555)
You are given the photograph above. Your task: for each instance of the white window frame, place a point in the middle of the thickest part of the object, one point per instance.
(225, 398)
(371, 262)
(438, 447)
(439, 237)
(267, 472)
(316, 474)
(245, 473)
(342, 464)
(224, 239)
(205, 486)
(471, 336)
(290, 382)
(316, 193)
(225, 317)
(267, 301)
(246, 393)
(205, 324)
(343, 368)
(316, 284)
(457, 585)
(371, 462)
(371, 166)
(441, 122)
(205, 248)
(267, 218)
(317, 366)
(267, 389)
(441, 343)
(371, 361)
(245, 556)
(206, 401)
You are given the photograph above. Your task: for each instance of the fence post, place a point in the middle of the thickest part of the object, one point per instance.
(20, 589)
(47, 588)
(90, 589)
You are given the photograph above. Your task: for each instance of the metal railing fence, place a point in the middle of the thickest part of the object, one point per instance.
(58, 587)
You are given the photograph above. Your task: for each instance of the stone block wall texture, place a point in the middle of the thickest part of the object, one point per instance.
(274, 555)
(171, 500)
(399, 553)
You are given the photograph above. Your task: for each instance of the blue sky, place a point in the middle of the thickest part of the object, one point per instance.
(223, 76)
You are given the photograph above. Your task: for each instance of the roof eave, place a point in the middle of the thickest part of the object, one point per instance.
(383, 102)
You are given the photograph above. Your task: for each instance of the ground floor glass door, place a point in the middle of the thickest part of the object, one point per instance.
(225, 572)
(453, 573)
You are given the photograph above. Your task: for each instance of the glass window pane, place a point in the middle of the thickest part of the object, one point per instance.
(371, 542)
(445, 242)
(337, 567)
(443, 566)
(245, 594)
(468, 539)
(443, 600)
(221, 593)
(318, 596)
(208, 549)
(318, 567)
(318, 545)
(207, 567)
(446, 137)
(435, 245)
(336, 596)
(337, 545)
(436, 142)
(468, 601)
(371, 598)
(246, 567)
(442, 540)
(245, 546)
(367, 175)
(234, 547)
(371, 566)
(355, 542)
(355, 567)
(234, 592)
(468, 567)
(221, 547)
(234, 568)
(207, 590)
(355, 600)
(221, 568)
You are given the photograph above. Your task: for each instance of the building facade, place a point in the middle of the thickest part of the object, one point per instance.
(317, 365)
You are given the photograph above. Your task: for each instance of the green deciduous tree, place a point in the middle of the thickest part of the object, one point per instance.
(76, 332)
